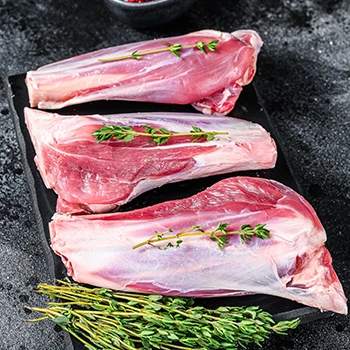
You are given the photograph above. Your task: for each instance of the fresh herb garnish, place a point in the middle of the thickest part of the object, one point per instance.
(103, 319)
(175, 49)
(158, 136)
(219, 234)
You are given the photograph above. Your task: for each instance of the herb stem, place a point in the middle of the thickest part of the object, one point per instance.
(214, 133)
(173, 346)
(39, 318)
(158, 136)
(245, 232)
(50, 312)
(155, 239)
(154, 321)
(174, 48)
(141, 53)
(77, 336)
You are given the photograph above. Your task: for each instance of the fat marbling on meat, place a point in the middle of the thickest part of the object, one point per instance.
(211, 82)
(97, 177)
(293, 263)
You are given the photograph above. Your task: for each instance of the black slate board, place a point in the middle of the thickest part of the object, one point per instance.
(248, 107)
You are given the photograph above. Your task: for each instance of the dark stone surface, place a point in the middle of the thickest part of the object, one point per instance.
(148, 14)
(303, 76)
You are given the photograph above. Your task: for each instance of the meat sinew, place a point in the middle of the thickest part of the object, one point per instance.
(96, 177)
(293, 263)
(211, 82)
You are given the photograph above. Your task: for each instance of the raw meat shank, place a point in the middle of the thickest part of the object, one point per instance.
(211, 82)
(98, 177)
(293, 263)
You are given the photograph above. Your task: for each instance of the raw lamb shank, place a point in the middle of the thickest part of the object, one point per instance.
(89, 176)
(293, 263)
(211, 82)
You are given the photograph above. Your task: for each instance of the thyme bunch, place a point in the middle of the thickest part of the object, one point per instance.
(103, 319)
(175, 49)
(158, 136)
(219, 234)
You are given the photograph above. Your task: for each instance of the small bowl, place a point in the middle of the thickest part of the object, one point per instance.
(148, 14)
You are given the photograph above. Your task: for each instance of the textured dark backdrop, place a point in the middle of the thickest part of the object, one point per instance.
(303, 76)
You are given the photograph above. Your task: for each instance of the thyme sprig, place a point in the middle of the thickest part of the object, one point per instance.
(219, 234)
(175, 49)
(104, 319)
(158, 136)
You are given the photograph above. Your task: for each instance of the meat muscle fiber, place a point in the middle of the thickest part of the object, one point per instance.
(293, 263)
(97, 177)
(211, 82)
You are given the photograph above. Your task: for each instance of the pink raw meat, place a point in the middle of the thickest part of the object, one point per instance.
(293, 263)
(97, 177)
(212, 82)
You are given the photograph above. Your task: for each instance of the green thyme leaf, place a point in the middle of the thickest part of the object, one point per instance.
(201, 46)
(164, 131)
(212, 45)
(128, 138)
(135, 55)
(61, 320)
